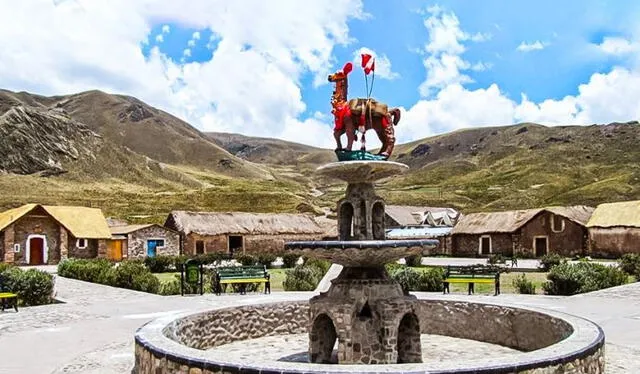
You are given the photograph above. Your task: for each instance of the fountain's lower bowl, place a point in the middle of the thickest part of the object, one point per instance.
(362, 252)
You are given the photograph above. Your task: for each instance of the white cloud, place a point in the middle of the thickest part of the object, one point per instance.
(191, 43)
(195, 35)
(528, 47)
(251, 85)
(443, 61)
(618, 46)
(186, 52)
(166, 29)
(159, 38)
(383, 64)
(605, 98)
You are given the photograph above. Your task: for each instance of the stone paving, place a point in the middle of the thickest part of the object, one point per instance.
(93, 331)
(293, 348)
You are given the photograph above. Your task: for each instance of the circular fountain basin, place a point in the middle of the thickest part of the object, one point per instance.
(362, 252)
(532, 340)
(362, 171)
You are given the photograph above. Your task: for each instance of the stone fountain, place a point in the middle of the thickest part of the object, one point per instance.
(364, 310)
(377, 327)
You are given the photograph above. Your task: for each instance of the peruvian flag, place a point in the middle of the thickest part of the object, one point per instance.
(368, 63)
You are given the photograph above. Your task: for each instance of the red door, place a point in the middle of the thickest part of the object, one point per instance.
(36, 251)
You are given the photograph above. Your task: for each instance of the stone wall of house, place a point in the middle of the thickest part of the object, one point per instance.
(613, 241)
(91, 251)
(252, 243)
(212, 243)
(9, 255)
(572, 240)
(137, 242)
(36, 223)
(521, 329)
(469, 245)
(2, 246)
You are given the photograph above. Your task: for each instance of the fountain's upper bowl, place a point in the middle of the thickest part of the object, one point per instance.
(362, 252)
(362, 171)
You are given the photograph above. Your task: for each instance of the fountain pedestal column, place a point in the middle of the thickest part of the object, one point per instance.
(364, 310)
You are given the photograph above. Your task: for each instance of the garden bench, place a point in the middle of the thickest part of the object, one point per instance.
(471, 275)
(241, 275)
(8, 299)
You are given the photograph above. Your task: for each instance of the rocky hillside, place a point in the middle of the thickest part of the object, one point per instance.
(128, 122)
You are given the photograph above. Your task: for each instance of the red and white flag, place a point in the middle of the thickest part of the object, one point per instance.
(368, 63)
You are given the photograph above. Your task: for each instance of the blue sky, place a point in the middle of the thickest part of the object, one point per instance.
(253, 67)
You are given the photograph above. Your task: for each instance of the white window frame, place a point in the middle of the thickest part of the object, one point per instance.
(535, 250)
(553, 223)
(45, 255)
(16, 248)
(480, 244)
(86, 243)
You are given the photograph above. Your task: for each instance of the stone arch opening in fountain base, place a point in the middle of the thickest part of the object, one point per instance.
(409, 347)
(323, 338)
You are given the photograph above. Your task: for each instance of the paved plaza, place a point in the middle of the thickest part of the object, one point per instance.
(92, 332)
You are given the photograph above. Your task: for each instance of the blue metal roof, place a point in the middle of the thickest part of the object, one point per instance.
(418, 232)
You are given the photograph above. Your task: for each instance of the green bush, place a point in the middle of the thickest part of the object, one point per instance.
(496, 258)
(265, 258)
(302, 278)
(170, 288)
(524, 285)
(570, 279)
(134, 275)
(246, 259)
(322, 266)
(550, 260)
(131, 274)
(413, 261)
(34, 287)
(160, 264)
(88, 270)
(408, 278)
(431, 280)
(289, 259)
(630, 264)
(211, 258)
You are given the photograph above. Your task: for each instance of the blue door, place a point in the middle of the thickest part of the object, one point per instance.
(151, 248)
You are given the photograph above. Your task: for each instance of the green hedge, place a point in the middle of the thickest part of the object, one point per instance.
(425, 280)
(130, 274)
(630, 264)
(307, 276)
(34, 287)
(570, 279)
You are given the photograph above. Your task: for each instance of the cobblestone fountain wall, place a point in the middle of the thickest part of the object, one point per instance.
(526, 330)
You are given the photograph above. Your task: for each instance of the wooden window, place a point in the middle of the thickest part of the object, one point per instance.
(199, 247)
(236, 243)
(557, 223)
(81, 243)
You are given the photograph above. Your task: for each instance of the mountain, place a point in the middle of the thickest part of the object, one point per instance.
(122, 155)
(521, 166)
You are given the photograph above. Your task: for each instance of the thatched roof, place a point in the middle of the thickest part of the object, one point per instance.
(407, 215)
(510, 221)
(128, 229)
(82, 222)
(498, 222)
(215, 223)
(620, 214)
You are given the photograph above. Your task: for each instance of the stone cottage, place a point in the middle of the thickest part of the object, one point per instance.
(140, 241)
(36, 234)
(614, 229)
(204, 232)
(526, 233)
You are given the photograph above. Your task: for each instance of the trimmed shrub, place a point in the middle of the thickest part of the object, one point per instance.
(431, 280)
(265, 258)
(135, 276)
(289, 259)
(322, 266)
(131, 274)
(88, 270)
(160, 264)
(302, 278)
(34, 287)
(570, 279)
(550, 260)
(413, 261)
(408, 278)
(496, 258)
(246, 259)
(630, 264)
(524, 285)
(211, 258)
